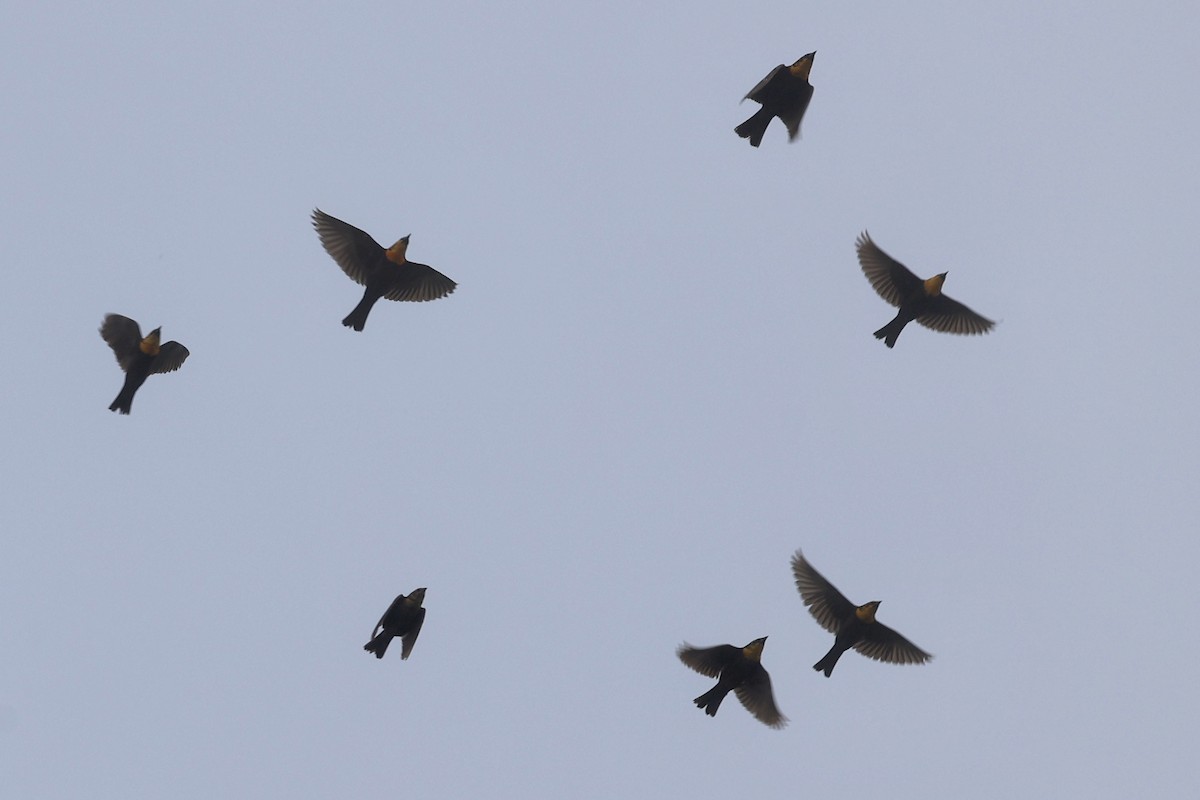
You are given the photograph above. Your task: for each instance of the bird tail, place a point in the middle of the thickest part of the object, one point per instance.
(710, 701)
(123, 403)
(379, 644)
(827, 663)
(890, 332)
(754, 128)
(357, 318)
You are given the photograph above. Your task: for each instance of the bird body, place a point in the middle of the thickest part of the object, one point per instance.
(738, 670)
(383, 272)
(916, 299)
(784, 93)
(139, 357)
(852, 626)
(404, 618)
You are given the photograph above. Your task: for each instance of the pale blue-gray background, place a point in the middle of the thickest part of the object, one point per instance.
(655, 381)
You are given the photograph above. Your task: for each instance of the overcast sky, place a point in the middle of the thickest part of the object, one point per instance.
(655, 382)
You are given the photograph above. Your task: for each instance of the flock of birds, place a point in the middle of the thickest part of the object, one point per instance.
(740, 670)
(387, 273)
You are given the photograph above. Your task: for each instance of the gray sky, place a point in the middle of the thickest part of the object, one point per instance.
(655, 381)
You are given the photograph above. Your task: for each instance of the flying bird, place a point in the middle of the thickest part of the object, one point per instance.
(852, 626)
(784, 93)
(920, 300)
(404, 618)
(737, 669)
(385, 273)
(139, 357)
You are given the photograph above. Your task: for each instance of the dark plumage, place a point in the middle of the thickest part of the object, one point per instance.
(404, 618)
(852, 626)
(917, 299)
(738, 670)
(784, 93)
(139, 357)
(385, 273)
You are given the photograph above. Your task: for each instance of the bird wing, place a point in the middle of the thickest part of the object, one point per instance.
(756, 93)
(410, 638)
(883, 644)
(792, 118)
(170, 357)
(888, 276)
(354, 250)
(951, 316)
(756, 695)
(827, 605)
(708, 660)
(420, 282)
(392, 610)
(123, 335)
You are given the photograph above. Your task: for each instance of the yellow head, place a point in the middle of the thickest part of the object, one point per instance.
(933, 286)
(149, 345)
(396, 252)
(753, 651)
(866, 612)
(802, 67)
(417, 597)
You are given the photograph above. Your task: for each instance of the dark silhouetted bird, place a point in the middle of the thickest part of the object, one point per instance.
(139, 357)
(917, 299)
(404, 618)
(784, 93)
(852, 626)
(386, 273)
(737, 669)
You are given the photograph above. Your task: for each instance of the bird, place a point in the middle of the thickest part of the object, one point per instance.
(139, 357)
(385, 273)
(404, 618)
(784, 93)
(852, 626)
(917, 299)
(737, 669)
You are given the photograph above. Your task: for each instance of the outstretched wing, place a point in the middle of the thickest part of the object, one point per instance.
(123, 335)
(756, 695)
(708, 660)
(828, 606)
(354, 250)
(889, 277)
(883, 644)
(951, 316)
(420, 282)
(170, 357)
